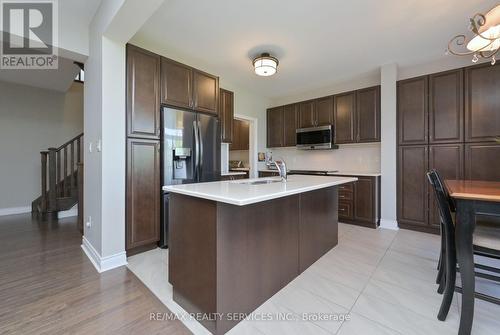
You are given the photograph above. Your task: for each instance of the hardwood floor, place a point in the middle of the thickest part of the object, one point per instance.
(48, 285)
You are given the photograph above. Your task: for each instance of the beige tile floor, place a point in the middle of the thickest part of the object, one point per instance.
(383, 279)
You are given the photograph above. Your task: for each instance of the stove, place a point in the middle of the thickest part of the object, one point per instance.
(312, 172)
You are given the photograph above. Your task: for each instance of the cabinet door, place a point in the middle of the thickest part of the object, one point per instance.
(143, 192)
(306, 114)
(368, 115)
(324, 111)
(345, 106)
(206, 92)
(412, 187)
(364, 200)
(446, 113)
(226, 114)
(290, 121)
(482, 161)
(244, 135)
(275, 127)
(176, 84)
(143, 93)
(482, 105)
(412, 111)
(236, 144)
(448, 160)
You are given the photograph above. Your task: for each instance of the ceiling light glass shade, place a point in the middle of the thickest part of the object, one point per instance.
(265, 65)
(486, 40)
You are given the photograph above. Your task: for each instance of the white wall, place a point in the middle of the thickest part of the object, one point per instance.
(31, 120)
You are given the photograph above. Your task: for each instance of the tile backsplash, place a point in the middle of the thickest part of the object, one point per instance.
(349, 157)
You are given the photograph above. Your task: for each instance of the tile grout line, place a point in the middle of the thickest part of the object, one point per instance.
(367, 283)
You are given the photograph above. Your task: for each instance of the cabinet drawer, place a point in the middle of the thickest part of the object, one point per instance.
(346, 188)
(345, 210)
(345, 195)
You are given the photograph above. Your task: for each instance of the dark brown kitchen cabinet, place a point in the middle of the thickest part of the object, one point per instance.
(412, 188)
(448, 160)
(344, 117)
(206, 92)
(290, 122)
(142, 193)
(446, 112)
(185, 87)
(226, 109)
(275, 127)
(176, 84)
(241, 133)
(359, 202)
(368, 114)
(324, 111)
(143, 93)
(482, 161)
(482, 103)
(306, 114)
(412, 97)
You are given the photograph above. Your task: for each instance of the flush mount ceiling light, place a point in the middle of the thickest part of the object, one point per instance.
(265, 65)
(486, 40)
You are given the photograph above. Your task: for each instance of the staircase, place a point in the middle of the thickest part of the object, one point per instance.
(62, 178)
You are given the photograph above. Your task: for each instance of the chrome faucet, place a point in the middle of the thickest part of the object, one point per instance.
(281, 166)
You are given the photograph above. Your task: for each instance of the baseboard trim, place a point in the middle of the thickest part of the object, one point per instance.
(15, 210)
(389, 224)
(103, 263)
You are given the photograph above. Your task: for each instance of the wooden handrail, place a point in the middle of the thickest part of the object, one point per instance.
(70, 141)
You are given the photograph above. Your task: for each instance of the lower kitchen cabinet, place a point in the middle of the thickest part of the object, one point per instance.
(482, 161)
(412, 188)
(359, 202)
(142, 193)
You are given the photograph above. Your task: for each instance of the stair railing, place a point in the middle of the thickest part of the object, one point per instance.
(59, 177)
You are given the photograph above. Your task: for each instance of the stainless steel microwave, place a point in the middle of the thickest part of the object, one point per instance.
(316, 138)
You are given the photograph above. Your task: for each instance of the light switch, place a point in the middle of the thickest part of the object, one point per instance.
(90, 146)
(89, 222)
(99, 145)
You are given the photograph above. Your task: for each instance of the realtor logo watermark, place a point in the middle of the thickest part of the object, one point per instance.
(29, 34)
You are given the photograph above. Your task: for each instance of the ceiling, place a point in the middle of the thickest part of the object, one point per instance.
(318, 42)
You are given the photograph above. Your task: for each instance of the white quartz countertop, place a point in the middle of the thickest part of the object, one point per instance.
(233, 173)
(353, 173)
(240, 192)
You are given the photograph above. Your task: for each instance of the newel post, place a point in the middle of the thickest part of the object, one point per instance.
(52, 180)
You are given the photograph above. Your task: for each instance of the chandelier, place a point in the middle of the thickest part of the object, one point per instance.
(486, 41)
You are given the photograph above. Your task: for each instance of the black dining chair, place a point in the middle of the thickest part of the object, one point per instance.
(486, 242)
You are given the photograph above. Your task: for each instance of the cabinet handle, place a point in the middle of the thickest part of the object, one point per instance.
(342, 209)
(341, 196)
(497, 139)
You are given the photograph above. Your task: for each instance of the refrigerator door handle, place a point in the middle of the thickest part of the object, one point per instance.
(201, 148)
(196, 149)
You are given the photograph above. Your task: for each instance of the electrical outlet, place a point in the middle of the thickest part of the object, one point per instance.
(89, 222)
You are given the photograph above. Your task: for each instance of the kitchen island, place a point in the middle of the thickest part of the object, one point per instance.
(234, 244)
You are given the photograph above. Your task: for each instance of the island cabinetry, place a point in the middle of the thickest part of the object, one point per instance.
(225, 258)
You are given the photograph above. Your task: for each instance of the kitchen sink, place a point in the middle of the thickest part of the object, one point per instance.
(260, 182)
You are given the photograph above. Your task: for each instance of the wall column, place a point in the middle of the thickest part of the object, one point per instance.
(388, 150)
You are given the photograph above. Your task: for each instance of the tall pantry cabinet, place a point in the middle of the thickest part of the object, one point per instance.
(447, 121)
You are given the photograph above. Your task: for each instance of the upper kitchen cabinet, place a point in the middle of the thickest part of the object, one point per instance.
(176, 84)
(368, 114)
(412, 111)
(482, 105)
(241, 133)
(344, 117)
(275, 127)
(290, 122)
(324, 111)
(206, 92)
(143, 93)
(185, 87)
(226, 110)
(306, 114)
(446, 112)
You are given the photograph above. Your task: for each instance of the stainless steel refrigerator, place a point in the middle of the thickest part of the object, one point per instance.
(190, 153)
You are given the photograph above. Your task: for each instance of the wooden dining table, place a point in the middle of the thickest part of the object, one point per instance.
(471, 198)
